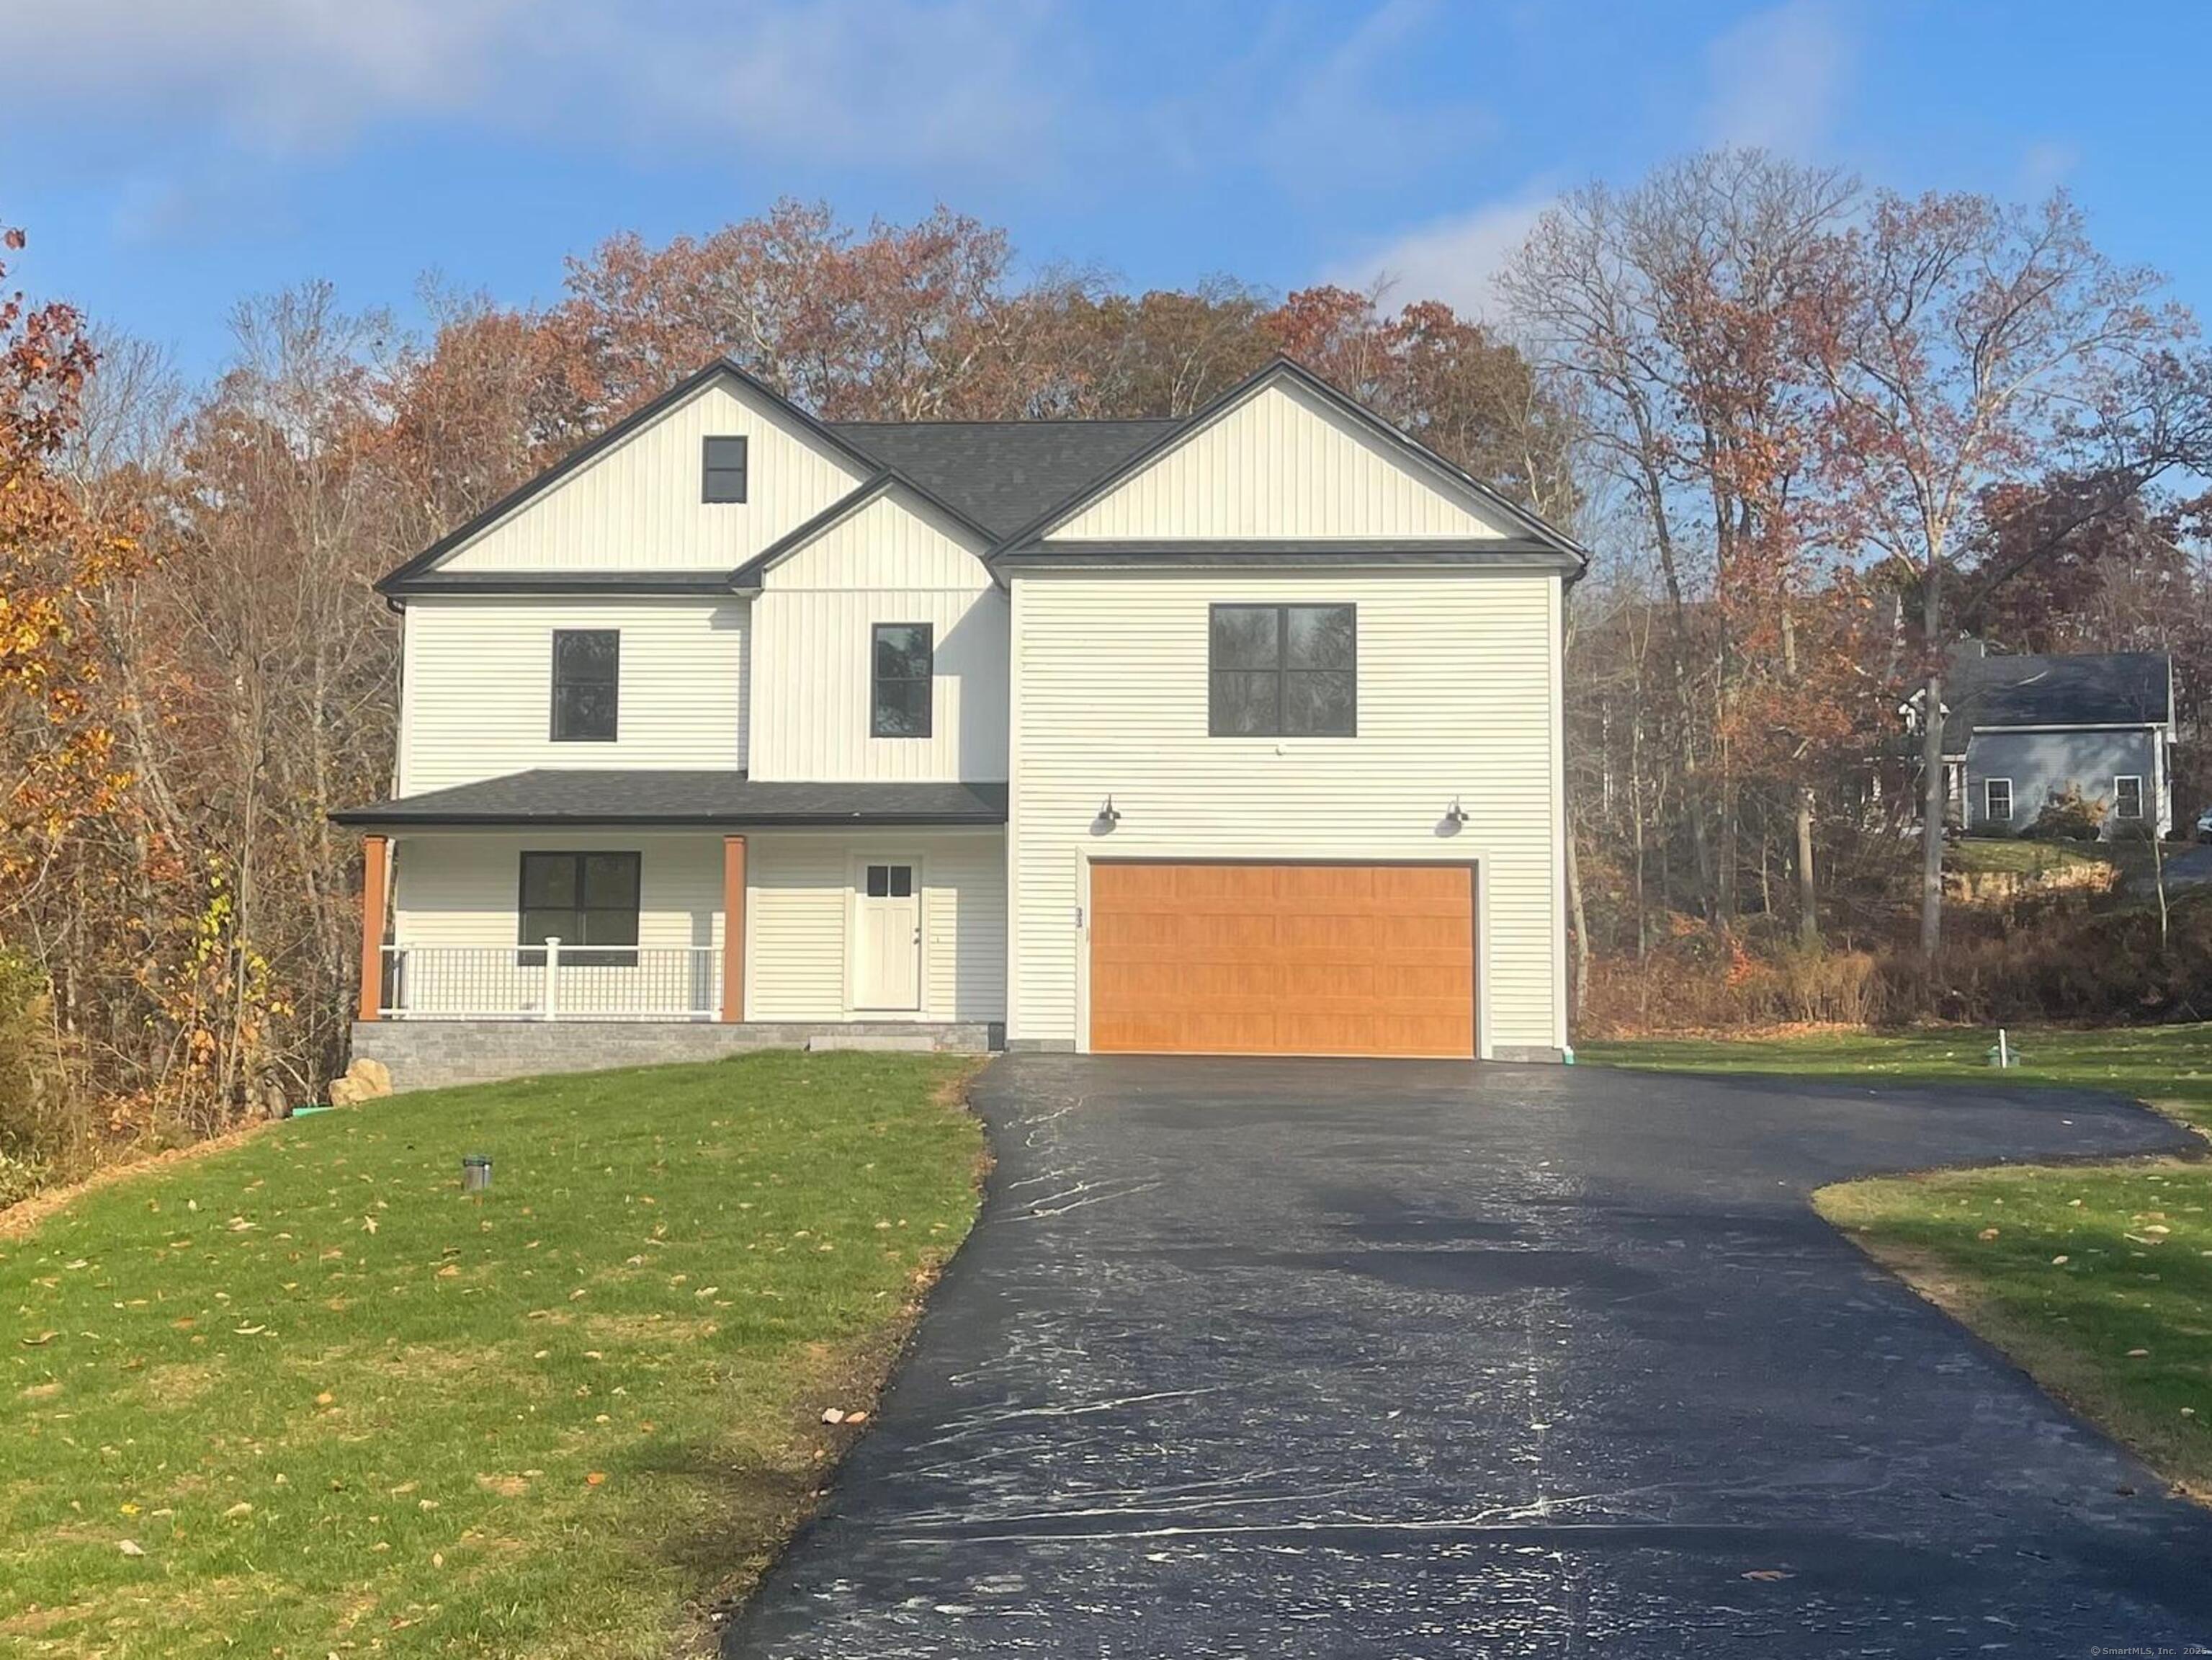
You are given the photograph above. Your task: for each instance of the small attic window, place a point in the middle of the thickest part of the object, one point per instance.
(722, 471)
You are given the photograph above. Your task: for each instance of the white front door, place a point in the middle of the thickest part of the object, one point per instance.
(888, 917)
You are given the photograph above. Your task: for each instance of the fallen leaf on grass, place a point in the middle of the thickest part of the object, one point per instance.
(130, 1547)
(1986, 1234)
(596, 1479)
(41, 1341)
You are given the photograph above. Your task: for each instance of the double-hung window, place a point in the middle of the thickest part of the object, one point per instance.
(587, 901)
(1283, 670)
(901, 659)
(1997, 800)
(2127, 796)
(722, 470)
(586, 684)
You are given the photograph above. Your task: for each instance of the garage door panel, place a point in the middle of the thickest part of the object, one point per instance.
(1282, 958)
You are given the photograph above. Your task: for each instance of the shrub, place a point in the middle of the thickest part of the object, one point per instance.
(45, 1131)
(2071, 817)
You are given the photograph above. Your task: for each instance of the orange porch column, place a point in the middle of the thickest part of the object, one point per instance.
(376, 878)
(734, 929)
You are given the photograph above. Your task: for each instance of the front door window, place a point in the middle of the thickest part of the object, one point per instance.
(888, 947)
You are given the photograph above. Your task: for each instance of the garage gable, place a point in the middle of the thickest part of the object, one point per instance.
(1287, 461)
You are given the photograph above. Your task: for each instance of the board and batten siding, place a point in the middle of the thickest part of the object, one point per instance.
(462, 888)
(1458, 698)
(893, 561)
(476, 686)
(1284, 466)
(636, 507)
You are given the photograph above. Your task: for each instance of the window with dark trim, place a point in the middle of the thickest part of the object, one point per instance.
(1283, 670)
(2127, 796)
(1997, 800)
(901, 659)
(587, 901)
(722, 470)
(586, 684)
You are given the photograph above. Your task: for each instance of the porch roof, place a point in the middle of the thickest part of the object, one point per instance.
(555, 795)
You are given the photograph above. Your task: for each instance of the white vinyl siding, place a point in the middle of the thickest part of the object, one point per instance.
(462, 888)
(636, 507)
(465, 887)
(812, 624)
(1457, 700)
(1283, 465)
(800, 909)
(476, 686)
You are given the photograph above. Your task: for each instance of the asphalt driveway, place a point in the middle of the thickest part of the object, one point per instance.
(1336, 1358)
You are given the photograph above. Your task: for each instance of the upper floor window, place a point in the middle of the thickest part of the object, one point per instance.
(2127, 796)
(901, 659)
(722, 470)
(586, 684)
(1284, 671)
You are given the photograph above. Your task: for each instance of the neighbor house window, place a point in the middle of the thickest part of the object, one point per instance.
(722, 470)
(902, 658)
(587, 901)
(1283, 670)
(587, 676)
(2127, 797)
(1997, 800)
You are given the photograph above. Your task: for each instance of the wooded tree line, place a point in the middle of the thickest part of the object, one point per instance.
(1810, 431)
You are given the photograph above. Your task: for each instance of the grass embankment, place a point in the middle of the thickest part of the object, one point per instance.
(2096, 1278)
(304, 1397)
(2014, 856)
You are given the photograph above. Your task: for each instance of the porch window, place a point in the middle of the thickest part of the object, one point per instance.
(587, 901)
(586, 684)
(1997, 800)
(1283, 670)
(2127, 796)
(902, 659)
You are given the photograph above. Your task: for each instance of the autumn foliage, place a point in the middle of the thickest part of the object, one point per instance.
(1708, 377)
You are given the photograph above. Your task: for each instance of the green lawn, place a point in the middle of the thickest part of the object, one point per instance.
(2013, 855)
(303, 1397)
(2096, 1278)
(2170, 1067)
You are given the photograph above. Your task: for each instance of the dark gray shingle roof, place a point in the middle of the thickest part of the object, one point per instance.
(555, 795)
(1002, 474)
(2101, 689)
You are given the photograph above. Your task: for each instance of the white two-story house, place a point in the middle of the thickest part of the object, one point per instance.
(1236, 734)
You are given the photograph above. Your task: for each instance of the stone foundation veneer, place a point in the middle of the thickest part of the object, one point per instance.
(425, 1054)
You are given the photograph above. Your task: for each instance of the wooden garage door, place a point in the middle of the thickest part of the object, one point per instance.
(1282, 959)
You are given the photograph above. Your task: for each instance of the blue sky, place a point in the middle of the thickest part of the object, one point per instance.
(168, 158)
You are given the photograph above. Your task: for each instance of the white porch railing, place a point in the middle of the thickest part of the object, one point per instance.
(552, 982)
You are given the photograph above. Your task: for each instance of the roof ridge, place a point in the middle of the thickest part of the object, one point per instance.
(1019, 421)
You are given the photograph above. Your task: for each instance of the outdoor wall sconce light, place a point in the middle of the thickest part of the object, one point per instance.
(1108, 815)
(1455, 814)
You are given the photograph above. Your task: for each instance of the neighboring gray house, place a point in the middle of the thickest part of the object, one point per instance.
(2020, 730)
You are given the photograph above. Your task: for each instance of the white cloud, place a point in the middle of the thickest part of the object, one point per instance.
(2046, 165)
(1778, 78)
(1455, 259)
(1336, 119)
(913, 83)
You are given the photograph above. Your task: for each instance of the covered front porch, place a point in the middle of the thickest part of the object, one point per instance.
(880, 907)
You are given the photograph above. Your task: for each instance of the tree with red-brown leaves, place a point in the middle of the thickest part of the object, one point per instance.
(58, 766)
(1968, 344)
